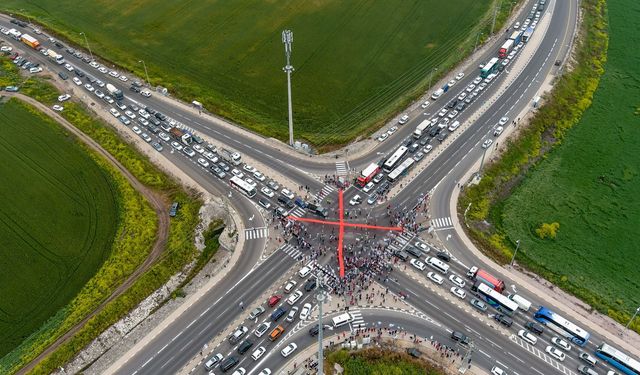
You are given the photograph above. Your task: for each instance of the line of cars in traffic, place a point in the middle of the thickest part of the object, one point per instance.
(284, 313)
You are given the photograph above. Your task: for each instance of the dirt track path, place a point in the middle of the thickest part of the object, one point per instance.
(156, 201)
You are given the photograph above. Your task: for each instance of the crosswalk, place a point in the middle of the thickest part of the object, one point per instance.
(542, 355)
(401, 241)
(444, 222)
(291, 250)
(358, 320)
(256, 233)
(297, 212)
(341, 168)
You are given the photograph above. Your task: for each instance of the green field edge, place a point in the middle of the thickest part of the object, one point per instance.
(379, 361)
(247, 119)
(179, 250)
(564, 107)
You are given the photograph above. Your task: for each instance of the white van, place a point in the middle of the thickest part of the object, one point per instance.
(437, 94)
(438, 265)
(522, 302)
(342, 319)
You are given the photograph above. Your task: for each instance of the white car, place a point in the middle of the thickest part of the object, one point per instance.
(367, 188)
(498, 131)
(427, 148)
(99, 94)
(123, 78)
(435, 277)
(458, 292)
(487, 143)
(457, 281)
(462, 96)
(258, 353)
(6, 49)
(289, 349)
(418, 264)
(57, 108)
(452, 114)
(198, 149)
(143, 121)
(527, 336)
(64, 97)
(477, 80)
(146, 137)
(268, 192)
(130, 114)
(470, 87)
(403, 120)
(265, 371)
(383, 137)
(294, 297)
(35, 70)
(249, 168)
(259, 176)
(289, 286)
(146, 93)
(516, 26)
(136, 130)
(89, 87)
(305, 271)
(497, 371)
(236, 172)
(562, 344)
(356, 200)
(176, 145)
(99, 83)
(425, 104)
(452, 82)
(555, 353)
(164, 136)
(287, 193)
(114, 112)
(262, 329)
(503, 121)
(240, 371)
(209, 155)
(306, 310)
(203, 162)
(114, 74)
(144, 113)
(392, 130)
(103, 69)
(421, 246)
(459, 76)
(94, 65)
(443, 112)
(68, 67)
(292, 314)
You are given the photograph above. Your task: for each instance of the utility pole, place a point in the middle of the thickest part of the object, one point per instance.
(495, 15)
(287, 39)
(320, 296)
(145, 72)
(87, 42)
(476, 45)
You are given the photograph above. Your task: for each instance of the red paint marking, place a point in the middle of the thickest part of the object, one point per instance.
(341, 224)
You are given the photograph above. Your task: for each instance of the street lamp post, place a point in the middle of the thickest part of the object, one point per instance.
(515, 252)
(287, 40)
(146, 73)
(87, 42)
(633, 317)
(431, 76)
(477, 39)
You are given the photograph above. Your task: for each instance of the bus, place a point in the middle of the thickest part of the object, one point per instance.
(499, 301)
(243, 186)
(400, 170)
(562, 326)
(342, 319)
(489, 68)
(390, 163)
(367, 174)
(618, 359)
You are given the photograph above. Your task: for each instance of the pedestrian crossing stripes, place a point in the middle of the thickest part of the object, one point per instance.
(341, 168)
(291, 250)
(297, 212)
(358, 320)
(256, 233)
(542, 355)
(326, 190)
(442, 222)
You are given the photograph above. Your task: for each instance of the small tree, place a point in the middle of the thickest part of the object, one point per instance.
(548, 230)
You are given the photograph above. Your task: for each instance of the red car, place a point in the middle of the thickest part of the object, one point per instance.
(274, 300)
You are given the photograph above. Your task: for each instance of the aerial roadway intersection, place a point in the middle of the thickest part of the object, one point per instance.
(383, 219)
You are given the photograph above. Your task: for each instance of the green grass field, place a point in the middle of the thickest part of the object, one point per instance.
(58, 217)
(590, 185)
(355, 61)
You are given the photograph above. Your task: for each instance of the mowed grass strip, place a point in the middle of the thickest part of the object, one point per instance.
(355, 61)
(590, 185)
(58, 218)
